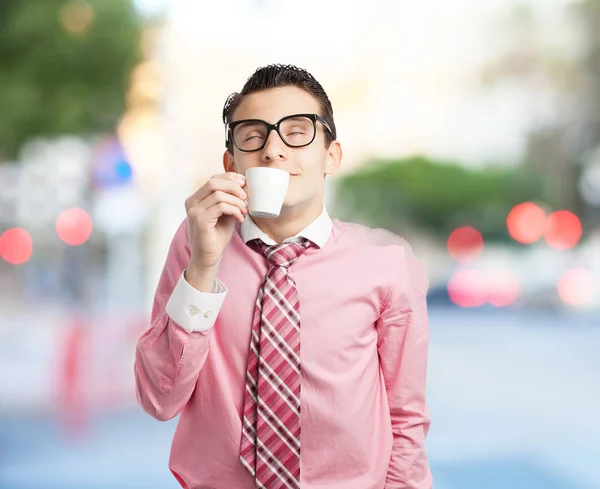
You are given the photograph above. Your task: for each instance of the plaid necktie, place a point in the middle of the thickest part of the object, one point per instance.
(270, 446)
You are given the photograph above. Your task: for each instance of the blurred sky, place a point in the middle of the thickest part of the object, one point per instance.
(151, 7)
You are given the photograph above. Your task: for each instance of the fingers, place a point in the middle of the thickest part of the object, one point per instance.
(220, 196)
(224, 208)
(231, 183)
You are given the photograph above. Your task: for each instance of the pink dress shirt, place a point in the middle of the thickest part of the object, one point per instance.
(364, 342)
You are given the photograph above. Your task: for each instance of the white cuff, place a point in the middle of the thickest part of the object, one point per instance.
(194, 310)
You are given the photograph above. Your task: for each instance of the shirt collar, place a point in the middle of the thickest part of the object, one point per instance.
(317, 231)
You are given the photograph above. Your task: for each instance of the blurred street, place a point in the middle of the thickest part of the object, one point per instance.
(509, 397)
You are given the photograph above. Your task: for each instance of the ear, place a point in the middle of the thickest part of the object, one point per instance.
(228, 163)
(334, 158)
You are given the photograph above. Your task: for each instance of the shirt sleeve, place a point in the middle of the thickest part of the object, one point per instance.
(403, 338)
(194, 310)
(169, 356)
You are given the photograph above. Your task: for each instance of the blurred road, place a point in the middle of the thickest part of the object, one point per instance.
(514, 397)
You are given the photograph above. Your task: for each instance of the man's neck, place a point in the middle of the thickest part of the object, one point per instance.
(289, 223)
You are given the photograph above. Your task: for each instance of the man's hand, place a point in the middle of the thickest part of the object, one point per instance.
(211, 215)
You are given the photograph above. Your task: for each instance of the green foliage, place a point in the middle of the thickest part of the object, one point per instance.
(53, 81)
(435, 196)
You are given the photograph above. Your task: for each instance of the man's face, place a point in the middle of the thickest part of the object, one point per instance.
(307, 165)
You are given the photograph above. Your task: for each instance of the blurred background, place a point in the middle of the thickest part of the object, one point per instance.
(470, 128)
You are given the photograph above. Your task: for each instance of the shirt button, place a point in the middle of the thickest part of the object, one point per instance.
(192, 311)
(208, 314)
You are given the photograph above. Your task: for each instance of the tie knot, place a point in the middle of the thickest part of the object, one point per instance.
(283, 254)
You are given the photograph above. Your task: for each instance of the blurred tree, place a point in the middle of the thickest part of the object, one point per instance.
(64, 67)
(436, 197)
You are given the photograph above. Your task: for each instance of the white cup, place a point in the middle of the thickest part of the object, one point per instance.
(267, 188)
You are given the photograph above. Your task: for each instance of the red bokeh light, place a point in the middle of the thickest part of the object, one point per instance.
(474, 288)
(502, 287)
(74, 226)
(465, 244)
(576, 286)
(563, 230)
(465, 288)
(526, 222)
(16, 246)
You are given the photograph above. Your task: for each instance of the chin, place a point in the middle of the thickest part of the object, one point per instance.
(287, 205)
(290, 203)
(297, 204)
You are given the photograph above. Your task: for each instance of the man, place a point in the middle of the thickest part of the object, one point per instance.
(294, 348)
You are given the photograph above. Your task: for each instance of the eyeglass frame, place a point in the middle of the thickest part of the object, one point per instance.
(230, 126)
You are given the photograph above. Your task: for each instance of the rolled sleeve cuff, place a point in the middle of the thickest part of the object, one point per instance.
(193, 310)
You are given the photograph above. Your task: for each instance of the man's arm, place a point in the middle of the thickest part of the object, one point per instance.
(403, 337)
(171, 353)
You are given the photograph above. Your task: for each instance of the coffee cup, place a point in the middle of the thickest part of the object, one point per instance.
(267, 188)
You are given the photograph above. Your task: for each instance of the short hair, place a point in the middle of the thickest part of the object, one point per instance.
(275, 76)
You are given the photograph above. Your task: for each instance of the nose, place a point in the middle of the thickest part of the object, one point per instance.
(275, 148)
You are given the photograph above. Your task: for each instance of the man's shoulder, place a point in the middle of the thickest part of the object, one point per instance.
(362, 235)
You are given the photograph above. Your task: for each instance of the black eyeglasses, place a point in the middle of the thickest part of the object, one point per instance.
(296, 131)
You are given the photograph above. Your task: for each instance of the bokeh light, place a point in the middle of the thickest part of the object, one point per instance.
(16, 246)
(465, 244)
(466, 288)
(123, 170)
(74, 226)
(77, 16)
(474, 288)
(111, 167)
(502, 287)
(563, 230)
(526, 222)
(576, 286)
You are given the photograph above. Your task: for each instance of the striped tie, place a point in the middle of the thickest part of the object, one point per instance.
(270, 446)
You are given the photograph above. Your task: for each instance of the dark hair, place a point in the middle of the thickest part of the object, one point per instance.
(275, 76)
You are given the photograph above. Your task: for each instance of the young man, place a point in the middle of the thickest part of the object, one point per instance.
(294, 348)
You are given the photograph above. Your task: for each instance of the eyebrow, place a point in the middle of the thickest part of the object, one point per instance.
(256, 120)
(251, 122)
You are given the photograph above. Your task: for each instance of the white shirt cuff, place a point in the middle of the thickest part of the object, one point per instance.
(194, 310)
